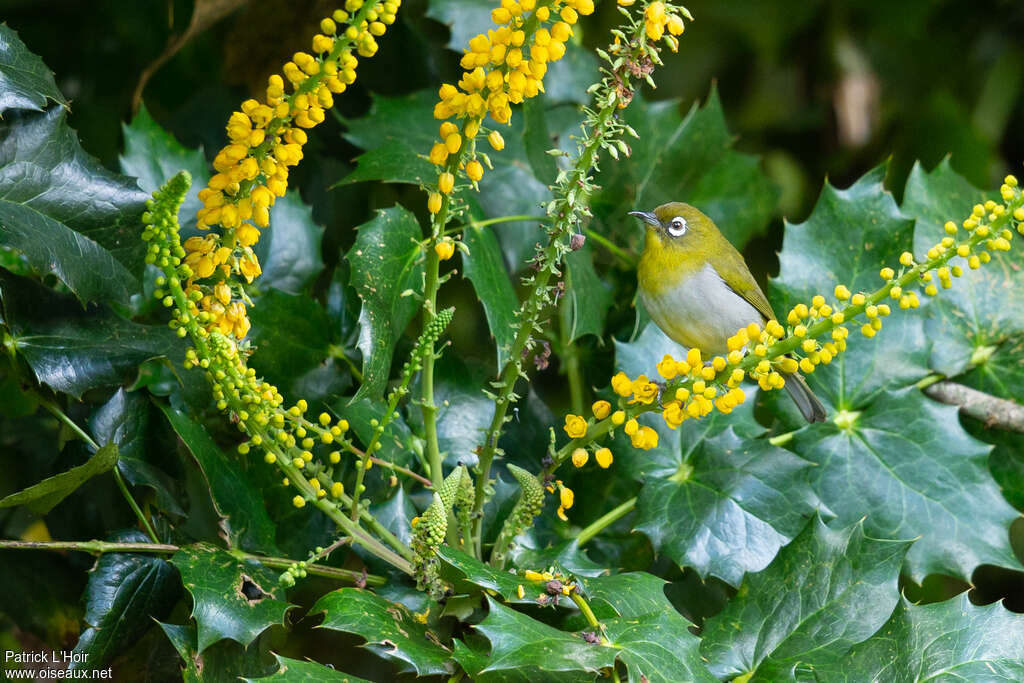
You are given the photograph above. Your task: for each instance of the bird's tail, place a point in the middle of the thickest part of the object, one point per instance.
(808, 404)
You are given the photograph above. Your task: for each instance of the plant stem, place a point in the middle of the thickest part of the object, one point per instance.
(103, 547)
(569, 352)
(604, 521)
(628, 260)
(493, 221)
(427, 377)
(121, 485)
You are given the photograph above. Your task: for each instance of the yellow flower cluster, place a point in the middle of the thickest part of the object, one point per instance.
(660, 19)
(502, 68)
(265, 140)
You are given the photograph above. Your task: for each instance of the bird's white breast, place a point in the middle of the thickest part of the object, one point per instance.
(701, 311)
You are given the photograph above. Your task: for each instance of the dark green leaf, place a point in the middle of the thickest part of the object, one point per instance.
(465, 18)
(231, 598)
(74, 349)
(42, 497)
(567, 79)
(396, 443)
(685, 159)
(64, 211)
(729, 506)
(396, 514)
(386, 271)
(485, 268)
(827, 589)
(909, 470)
(389, 628)
(628, 595)
(511, 190)
(125, 421)
(291, 670)
(238, 501)
(395, 133)
(25, 82)
(463, 412)
(567, 555)
(985, 307)
(152, 156)
(658, 647)
(537, 141)
(469, 570)
(292, 337)
(289, 251)
(222, 662)
(126, 591)
(945, 641)
(586, 295)
(525, 649)
(848, 238)
(397, 162)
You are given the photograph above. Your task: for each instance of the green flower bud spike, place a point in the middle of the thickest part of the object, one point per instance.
(427, 537)
(529, 505)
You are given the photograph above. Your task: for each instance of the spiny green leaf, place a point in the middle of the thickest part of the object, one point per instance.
(628, 595)
(469, 570)
(828, 589)
(848, 238)
(238, 501)
(386, 265)
(66, 213)
(25, 82)
(297, 670)
(397, 134)
(72, 349)
(945, 641)
(231, 598)
(126, 591)
(484, 267)
(463, 17)
(42, 497)
(908, 469)
(289, 251)
(729, 507)
(985, 307)
(658, 647)
(152, 155)
(389, 629)
(291, 333)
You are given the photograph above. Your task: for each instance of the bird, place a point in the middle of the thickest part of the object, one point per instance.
(698, 289)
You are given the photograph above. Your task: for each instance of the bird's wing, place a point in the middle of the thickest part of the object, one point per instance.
(736, 274)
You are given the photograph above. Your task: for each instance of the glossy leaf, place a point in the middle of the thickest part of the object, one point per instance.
(72, 349)
(658, 647)
(946, 641)
(25, 82)
(469, 570)
(628, 595)
(908, 469)
(66, 213)
(386, 271)
(126, 591)
(463, 412)
(291, 333)
(729, 507)
(42, 497)
(238, 501)
(685, 159)
(828, 589)
(587, 297)
(289, 250)
(297, 670)
(389, 628)
(484, 267)
(465, 18)
(985, 307)
(848, 238)
(231, 598)
(152, 155)
(396, 134)
(222, 662)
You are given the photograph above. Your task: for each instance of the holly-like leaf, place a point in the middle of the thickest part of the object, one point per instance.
(223, 662)
(72, 349)
(126, 591)
(42, 497)
(386, 272)
(828, 589)
(980, 320)
(238, 501)
(525, 649)
(64, 211)
(484, 267)
(25, 82)
(152, 155)
(628, 595)
(298, 670)
(848, 238)
(397, 134)
(658, 647)
(908, 469)
(729, 506)
(685, 159)
(463, 412)
(389, 628)
(463, 17)
(231, 598)
(587, 297)
(292, 337)
(469, 570)
(952, 640)
(289, 251)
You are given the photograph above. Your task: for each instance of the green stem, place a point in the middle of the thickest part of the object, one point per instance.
(121, 485)
(103, 547)
(604, 521)
(570, 352)
(628, 259)
(493, 221)
(427, 406)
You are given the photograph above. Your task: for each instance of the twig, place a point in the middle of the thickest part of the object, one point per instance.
(992, 410)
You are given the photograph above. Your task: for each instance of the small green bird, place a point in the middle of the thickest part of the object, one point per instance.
(699, 291)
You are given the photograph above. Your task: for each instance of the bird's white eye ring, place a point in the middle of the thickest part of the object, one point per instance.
(677, 226)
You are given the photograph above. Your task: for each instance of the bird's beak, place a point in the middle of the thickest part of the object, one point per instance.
(647, 217)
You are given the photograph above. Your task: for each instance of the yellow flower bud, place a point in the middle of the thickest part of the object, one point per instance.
(444, 249)
(601, 409)
(632, 426)
(474, 170)
(445, 182)
(603, 456)
(580, 457)
(566, 497)
(434, 202)
(618, 417)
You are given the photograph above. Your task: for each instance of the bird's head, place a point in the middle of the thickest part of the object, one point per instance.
(676, 225)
